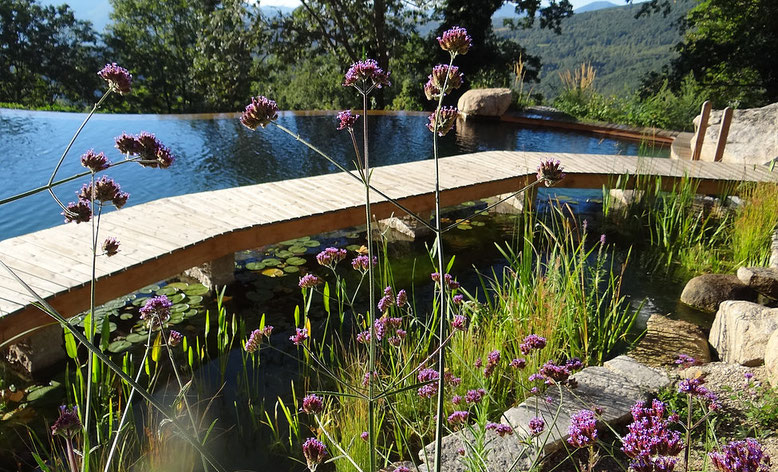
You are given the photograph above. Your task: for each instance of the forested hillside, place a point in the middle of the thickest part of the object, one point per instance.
(622, 48)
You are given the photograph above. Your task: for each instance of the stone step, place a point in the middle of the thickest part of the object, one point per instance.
(761, 279)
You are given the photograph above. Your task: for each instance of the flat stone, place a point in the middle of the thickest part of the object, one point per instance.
(485, 102)
(43, 348)
(706, 292)
(665, 339)
(741, 330)
(771, 359)
(216, 273)
(761, 279)
(648, 379)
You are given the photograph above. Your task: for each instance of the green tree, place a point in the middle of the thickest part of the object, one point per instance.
(47, 55)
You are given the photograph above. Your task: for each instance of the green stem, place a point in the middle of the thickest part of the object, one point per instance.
(371, 291)
(90, 328)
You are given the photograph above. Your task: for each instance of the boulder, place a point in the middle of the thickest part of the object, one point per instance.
(485, 102)
(752, 138)
(771, 359)
(741, 330)
(761, 279)
(665, 339)
(705, 292)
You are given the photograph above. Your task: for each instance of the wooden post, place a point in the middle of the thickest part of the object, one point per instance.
(726, 120)
(700, 136)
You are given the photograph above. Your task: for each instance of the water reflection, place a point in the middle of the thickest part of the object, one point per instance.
(214, 151)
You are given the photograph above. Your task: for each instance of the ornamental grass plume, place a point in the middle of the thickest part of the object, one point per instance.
(315, 452)
(118, 78)
(95, 162)
(443, 121)
(741, 456)
(260, 112)
(347, 120)
(455, 40)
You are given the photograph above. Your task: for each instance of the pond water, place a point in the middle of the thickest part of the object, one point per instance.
(216, 151)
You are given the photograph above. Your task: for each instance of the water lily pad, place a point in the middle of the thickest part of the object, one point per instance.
(477, 223)
(178, 285)
(273, 272)
(255, 265)
(38, 393)
(291, 269)
(196, 289)
(126, 316)
(137, 338)
(354, 235)
(111, 326)
(353, 247)
(195, 300)
(179, 307)
(140, 301)
(464, 226)
(167, 291)
(177, 298)
(115, 304)
(298, 249)
(311, 243)
(468, 204)
(289, 242)
(191, 313)
(271, 262)
(295, 261)
(284, 253)
(149, 289)
(119, 346)
(176, 318)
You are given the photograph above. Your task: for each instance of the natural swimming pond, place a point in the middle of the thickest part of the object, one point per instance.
(216, 151)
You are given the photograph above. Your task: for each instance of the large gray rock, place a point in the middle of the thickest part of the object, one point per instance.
(752, 138)
(665, 339)
(485, 102)
(760, 279)
(771, 359)
(705, 292)
(741, 330)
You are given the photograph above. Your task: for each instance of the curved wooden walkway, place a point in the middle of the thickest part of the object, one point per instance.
(162, 238)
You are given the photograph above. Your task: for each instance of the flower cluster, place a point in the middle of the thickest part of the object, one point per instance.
(68, 424)
(361, 263)
(444, 79)
(363, 71)
(459, 323)
(80, 212)
(315, 452)
(118, 78)
(428, 375)
(458, 417)
(583, 429)
(685, 361)
(475, 396)
(443, 121)
(695, 388)
(301, 334)
(447, 278)
(312, 404)
(174, 338)
(260, 112)
(156, 311)
(387, 300)
(346, 120)
(532, 342)
(146, 146)
(518, 363)
(741, 456)
(110, 247)
(560, 373)
(650, 442)
(536, 426)
(94, 162)
(455, 40)
(499, 428)
(550, 172)
(331, 256)
(309, 281)
(255, 338)
(103, 190)
(491, 362)
(368, 375)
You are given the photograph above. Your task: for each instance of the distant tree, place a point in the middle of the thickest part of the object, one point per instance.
(47, 55)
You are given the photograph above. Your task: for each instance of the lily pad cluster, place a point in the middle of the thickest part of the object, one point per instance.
(283, 258)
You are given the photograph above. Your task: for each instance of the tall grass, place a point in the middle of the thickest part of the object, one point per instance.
(754, 224)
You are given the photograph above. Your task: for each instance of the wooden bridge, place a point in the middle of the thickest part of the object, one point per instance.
(162, 238)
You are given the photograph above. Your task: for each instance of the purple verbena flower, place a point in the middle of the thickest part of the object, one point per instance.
(741, 456)
(685, 361)
(156, 311)
(430, 91)
(346, 120)
(118, 78)
(145, 146)
(366, 378)
(475, 396)
(361, 263)
(695, 388)
(459, 323)
(68, 424)
(110, 247)
(402, 468)
(312, 404)
(301, 334)
(455, 40)
(174, 338)
(499, 428)
(365, 71)
(458, 418)
(128, 144)
(331, 256)
(255, 338)
(536, 426)
(363, 337)
(445, 120)
(457, 399)
(104, 190)
(80, 212)
(309, 281)
(260, 112)
(650, 440)
(402, 298)
(583, 429)
(95, 162)
(550, 172)
(365, 435)
(445, 78)
(532, 342)
(458, 299)
(315, 452)
(518, 363)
